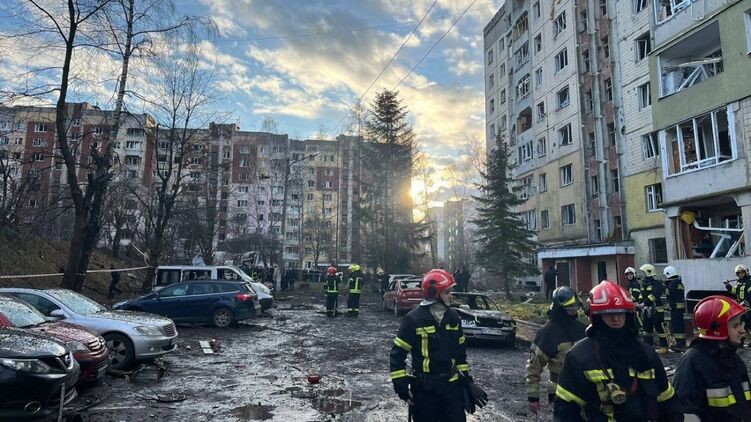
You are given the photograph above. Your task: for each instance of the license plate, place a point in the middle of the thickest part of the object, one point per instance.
(493, 331)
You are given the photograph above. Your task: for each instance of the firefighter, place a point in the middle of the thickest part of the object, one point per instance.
(677, 305)
(383, 281)
(610, 375)
(552, 342)
(653, 310)
(711, 381)
(634, 286)
(432, 333)
(742, 288)
(331, 285)
(355, 289)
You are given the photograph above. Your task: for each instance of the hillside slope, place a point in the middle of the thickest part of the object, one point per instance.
(24, 254)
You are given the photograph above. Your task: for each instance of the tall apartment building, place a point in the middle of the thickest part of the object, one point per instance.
(701, 110)
(559, 145)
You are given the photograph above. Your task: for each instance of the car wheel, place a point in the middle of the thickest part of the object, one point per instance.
(122, 352)
(396, 309)
(222, 318)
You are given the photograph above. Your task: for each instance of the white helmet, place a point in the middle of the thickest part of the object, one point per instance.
(670, 272)
(630, 270)
(741, 267)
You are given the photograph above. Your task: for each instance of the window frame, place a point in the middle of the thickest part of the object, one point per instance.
(566, 175)
(653, 197)
(572, 214)
(644, 95)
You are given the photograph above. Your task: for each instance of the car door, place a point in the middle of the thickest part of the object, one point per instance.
(390, 295)
(200, 301)
(170, 300)
(43, 305)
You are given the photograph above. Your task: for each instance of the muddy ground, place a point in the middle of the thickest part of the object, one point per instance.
(261, 369)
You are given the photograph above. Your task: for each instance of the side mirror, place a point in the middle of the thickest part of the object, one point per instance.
(56, 315)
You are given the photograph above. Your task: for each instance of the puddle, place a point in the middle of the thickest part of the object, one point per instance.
(331, 405)
(254, 412)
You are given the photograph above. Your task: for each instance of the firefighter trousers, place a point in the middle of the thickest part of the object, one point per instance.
(439, 403)
(332, 301)
(654, 323)
(678, 328)
(353, 304)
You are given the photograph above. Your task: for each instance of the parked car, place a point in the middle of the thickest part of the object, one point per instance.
(130, 336)
(89, 349)
(483, 319)
(403, 294)
(35, 371)
(218, 302)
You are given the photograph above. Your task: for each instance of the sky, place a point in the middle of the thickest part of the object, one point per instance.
(304, 63)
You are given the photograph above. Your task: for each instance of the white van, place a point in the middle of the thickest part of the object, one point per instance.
(169, 274)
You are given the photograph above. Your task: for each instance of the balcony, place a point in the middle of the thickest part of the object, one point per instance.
(692, 60)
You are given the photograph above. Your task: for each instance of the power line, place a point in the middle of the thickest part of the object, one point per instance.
(409, 37)
(434, 45)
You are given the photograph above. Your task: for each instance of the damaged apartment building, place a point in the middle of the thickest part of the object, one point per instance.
(627, 123)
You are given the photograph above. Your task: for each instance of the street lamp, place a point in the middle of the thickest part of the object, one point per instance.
(287, 169)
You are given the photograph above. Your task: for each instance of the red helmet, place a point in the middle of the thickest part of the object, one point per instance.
(331, 270)
(436, 282)
(608, 297)
(712, 314)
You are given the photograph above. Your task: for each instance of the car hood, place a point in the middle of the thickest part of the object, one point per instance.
(16, 343)
(485, 314)
(132, 317)
(65, 332)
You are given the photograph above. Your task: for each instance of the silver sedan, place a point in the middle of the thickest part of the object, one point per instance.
(130, 336)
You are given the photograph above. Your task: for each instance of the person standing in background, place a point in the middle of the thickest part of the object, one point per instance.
(551, 279)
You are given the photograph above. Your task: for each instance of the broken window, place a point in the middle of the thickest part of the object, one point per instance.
(538, 78)
(583, 20)
(538, 43)
(665, 9)
(585, 60)
(643, 47)
(564, 135)
(522, 89)
(561, 60)
(520, 27)
(640, 5)
(524, 121)
(645, 99)
(540, 111)
(522, 54)
(566, 175)
(525, 152)
(700, 142)
(563, 98)
(694, 59)
(609, 89)
(542, 148)
(568, 214)
(559, 24)
(649, 146)
(654, 197)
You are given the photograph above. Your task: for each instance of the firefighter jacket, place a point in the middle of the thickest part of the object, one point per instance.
(634, 289)
(711, 383)
(653, 294)
(741, 290)
(436, 349)
(331, 284)
(585, 392)
(355, 282)
(675, 295)
(549, 348)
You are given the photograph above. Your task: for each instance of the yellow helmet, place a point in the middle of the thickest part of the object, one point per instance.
(649, 270)
(354, 267)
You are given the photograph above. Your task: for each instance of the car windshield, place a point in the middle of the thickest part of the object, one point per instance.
(476, 302)
(21, 315)
(78, 303)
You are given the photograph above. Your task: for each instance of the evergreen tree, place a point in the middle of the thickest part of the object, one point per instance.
(505, 243)
(390, 235)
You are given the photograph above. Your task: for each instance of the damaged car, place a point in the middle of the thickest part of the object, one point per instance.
(89, 349)
(483, 319)
(403, 294)
(37, 373)
(130, 336)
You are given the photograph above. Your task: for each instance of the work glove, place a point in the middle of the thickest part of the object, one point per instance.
(401, 387)
(475, 396)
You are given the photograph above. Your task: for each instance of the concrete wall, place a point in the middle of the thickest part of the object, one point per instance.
(641, 245)
(557, 196)
(728, 86)
(636, 201)
(681, 20)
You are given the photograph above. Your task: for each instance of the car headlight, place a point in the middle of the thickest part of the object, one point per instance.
(469, 323)
(148, 330)
(77, 346)
(33, 366)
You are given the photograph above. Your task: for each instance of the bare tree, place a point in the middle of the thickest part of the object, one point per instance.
(318, 233)
(186, 92)
(424, 176)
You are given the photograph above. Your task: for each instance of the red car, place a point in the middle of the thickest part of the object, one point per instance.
(402, 295)
(89, 349)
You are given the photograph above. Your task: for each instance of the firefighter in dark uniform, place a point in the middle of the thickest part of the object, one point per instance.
(711, 380)
(432, 334)
(610, 375)
(677, 305)
(355, 289)
(552, 342)
(742, 290)
(653, 310)
(331, 285)
(634, 286)
(383, 281)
